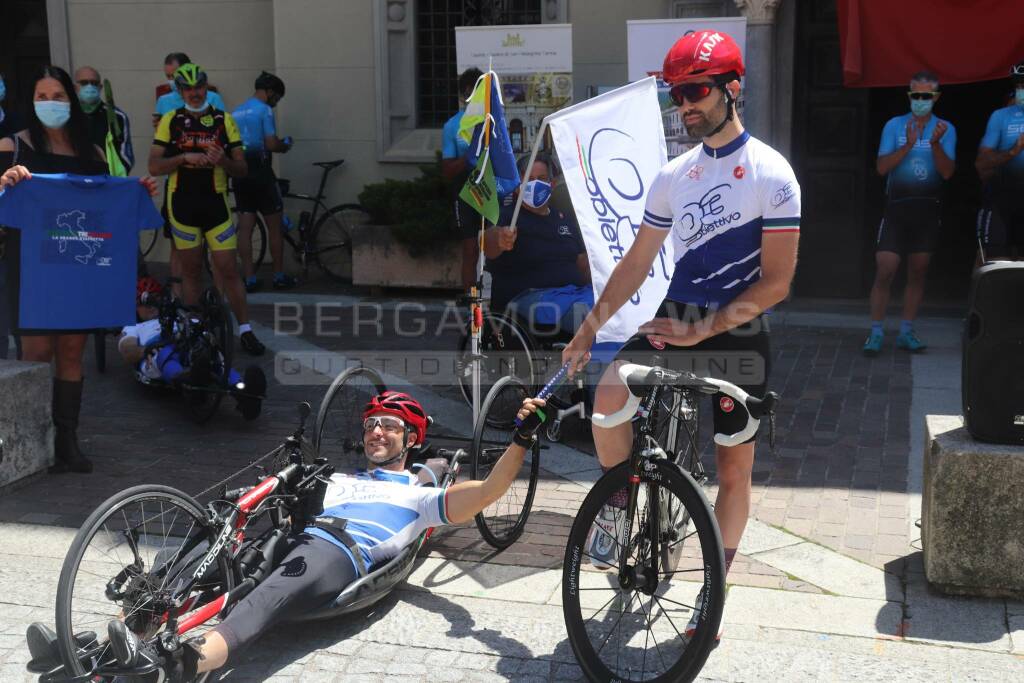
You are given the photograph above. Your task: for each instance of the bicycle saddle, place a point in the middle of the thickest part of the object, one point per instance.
(329, 164)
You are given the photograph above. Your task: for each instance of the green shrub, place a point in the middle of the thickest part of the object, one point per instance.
(419, 211)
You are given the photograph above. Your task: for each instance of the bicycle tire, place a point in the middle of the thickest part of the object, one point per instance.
(147, 240)
(678, 434)
(709, 568)
(259, 248)
(502, 339)
(202, 404)
(338, 433)
(502, 524)
(332, 239)
(222, 576)
(99, 345)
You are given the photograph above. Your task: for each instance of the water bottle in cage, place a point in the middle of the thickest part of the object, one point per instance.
(286, 224)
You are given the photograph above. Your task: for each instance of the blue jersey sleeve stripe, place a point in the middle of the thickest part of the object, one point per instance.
(781, 222)
(657, 221)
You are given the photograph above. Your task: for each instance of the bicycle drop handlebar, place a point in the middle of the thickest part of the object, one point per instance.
(640, 378)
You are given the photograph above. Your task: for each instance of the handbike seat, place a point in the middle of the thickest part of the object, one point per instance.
(329, 164)
(42, 647)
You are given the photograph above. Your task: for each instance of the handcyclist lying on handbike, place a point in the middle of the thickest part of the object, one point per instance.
(367, 519)
(152, 348)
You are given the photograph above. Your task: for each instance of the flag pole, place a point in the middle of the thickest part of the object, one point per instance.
(529, 167)
(476, 292)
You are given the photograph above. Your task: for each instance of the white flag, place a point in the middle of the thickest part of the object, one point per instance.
(610, 148)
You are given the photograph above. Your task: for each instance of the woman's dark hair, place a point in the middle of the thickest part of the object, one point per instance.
(77, 127)
(179, 57)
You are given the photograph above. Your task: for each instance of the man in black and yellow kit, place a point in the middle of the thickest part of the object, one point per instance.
(199, 146)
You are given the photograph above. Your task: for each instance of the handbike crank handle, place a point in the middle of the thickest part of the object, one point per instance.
(550, 388)
(637, 376)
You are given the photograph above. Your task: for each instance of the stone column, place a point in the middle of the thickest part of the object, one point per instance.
(759, 91)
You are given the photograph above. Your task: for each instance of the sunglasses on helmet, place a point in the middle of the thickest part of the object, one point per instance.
(691, 92)
(915, 95)
(388, 424)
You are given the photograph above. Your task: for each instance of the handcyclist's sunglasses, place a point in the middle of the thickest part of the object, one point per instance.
(691, 92)
(389, 424)
(915, 95)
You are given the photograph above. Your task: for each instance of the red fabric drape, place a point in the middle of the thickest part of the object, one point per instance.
(885, 42)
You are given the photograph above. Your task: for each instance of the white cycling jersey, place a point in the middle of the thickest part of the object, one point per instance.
(385, 511)
(718, 203)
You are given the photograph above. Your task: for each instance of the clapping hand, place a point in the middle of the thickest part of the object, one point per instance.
(214, 154)
(940, 130)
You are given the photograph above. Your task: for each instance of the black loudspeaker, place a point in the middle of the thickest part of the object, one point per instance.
(993, 361)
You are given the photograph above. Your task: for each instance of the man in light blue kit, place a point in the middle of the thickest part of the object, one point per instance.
(917, 152)
(1001, 223)
(258, 191)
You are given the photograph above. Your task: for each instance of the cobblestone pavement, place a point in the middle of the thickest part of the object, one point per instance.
(837, 487)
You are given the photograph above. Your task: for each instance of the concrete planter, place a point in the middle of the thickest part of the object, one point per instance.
(26, 422)
(379, 261)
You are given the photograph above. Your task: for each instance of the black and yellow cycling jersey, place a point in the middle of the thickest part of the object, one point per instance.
(181, 132)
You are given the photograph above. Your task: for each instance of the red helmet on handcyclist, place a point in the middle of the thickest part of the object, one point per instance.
(401, 405)
(149, 286)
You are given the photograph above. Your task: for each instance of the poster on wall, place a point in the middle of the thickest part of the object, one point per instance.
(534, 65)
(647, 42)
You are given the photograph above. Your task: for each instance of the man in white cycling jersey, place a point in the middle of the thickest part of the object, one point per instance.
(367, 519)
(732, 208)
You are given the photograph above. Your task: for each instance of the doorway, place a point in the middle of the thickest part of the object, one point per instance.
(24, 47)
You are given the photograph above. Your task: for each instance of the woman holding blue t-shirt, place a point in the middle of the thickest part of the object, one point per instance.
(56, 141)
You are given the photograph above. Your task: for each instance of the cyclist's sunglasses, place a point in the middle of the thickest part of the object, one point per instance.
(86, 81)
(691, 92)
(914, 95)
(388, 423)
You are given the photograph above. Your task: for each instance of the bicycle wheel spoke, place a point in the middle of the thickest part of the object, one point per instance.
(669, 617)
(622, 613)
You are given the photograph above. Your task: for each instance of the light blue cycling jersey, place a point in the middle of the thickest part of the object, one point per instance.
(255, 120)
(384, 510)
(453, 146)
(1004, 127)
(172, 101)
(719, 204)
(916, 176)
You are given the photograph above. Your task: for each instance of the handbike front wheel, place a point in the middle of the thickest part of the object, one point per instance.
(338, 434)
(502, 522)
(133, 559)
(635, 630)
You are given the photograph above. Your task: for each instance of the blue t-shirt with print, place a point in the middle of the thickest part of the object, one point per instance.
(79, 245)
(544, 255)
(255, 121)
(916, 175)
(452, 144)
(1004, 127)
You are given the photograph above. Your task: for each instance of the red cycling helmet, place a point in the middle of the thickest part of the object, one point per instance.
(703, 53)
(146, 285)
(401, 405)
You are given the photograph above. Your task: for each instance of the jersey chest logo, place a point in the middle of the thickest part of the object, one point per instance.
(706, 215)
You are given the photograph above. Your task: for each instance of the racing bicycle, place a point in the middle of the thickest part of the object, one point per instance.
(654, 615)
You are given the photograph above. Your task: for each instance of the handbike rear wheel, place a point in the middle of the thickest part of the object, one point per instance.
(125, 562)
(339, 422)
(636, 632)
(502, 522)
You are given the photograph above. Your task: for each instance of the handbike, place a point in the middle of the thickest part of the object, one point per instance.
(166, 565)
(630, 623)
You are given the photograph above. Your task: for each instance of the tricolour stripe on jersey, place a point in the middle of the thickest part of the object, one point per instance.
(442, 507)
(781, 224)
(657, 221)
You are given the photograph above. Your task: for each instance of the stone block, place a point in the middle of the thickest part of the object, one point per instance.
(26, 422)
(972, 513)
(378, 260)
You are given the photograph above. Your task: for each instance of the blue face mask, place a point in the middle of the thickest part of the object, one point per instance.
(3, 90)
(536, 193)
(921, 107)
(89, 94)
(53, 114)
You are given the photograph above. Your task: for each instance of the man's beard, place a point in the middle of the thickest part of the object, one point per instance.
(705, 125)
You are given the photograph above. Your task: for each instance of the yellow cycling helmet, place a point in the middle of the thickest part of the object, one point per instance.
(189, 76)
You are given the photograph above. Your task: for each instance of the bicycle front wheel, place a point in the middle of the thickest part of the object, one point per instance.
(332, 239)
(633, 625)
(134, 559)
(502, 522)
(338, 435)
(677, 421)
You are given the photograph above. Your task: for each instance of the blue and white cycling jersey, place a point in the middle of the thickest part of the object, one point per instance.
(385, 510)
(255, 121)
(1004, 127)
(916, 176)
(718, 203)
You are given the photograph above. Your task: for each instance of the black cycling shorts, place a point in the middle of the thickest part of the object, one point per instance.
(258, 191)
(467, 220)
(1000, 228)
(741, 356)
(312, 574)
(910, 226)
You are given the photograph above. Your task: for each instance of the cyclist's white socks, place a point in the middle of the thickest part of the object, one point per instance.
(244, 327)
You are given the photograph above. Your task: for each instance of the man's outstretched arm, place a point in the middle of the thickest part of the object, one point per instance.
(468, 498)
